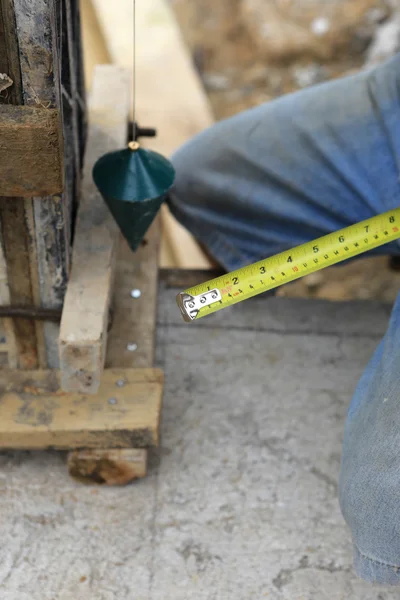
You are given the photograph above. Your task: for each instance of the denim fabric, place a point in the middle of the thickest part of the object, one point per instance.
(285, 173)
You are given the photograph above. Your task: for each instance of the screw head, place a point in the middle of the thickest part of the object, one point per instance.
(120, 383)
(131, 347)
(136, 293)
(112, 401)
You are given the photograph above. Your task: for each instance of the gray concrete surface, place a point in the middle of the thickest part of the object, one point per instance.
(240, 502)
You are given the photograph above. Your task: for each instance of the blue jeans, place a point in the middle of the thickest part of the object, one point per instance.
(285, 173)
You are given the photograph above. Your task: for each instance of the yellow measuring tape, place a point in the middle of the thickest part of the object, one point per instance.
(221, 292)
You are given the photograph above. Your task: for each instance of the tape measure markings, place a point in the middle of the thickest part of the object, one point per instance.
(285, 267)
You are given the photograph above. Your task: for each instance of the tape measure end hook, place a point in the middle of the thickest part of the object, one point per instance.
(190, 306)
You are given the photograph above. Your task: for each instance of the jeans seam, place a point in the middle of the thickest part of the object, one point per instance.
(376, 562)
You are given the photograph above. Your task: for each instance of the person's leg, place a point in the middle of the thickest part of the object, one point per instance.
(370, 473)
(288, 172)
(293, 169)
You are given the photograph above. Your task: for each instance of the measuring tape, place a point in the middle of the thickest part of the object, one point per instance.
(221, 292)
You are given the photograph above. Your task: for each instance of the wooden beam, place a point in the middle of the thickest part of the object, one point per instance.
(83, 333)
(31, 151)
(111, 467)
(134, 319)
(134, 322)
(36, 414)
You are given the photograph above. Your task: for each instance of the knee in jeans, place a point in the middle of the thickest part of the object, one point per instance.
(189, 163)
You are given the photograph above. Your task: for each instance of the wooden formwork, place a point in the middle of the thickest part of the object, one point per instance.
(41, 101)
(58, 258)
(79, 371)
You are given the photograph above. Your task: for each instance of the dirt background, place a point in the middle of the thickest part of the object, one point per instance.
(251, 51)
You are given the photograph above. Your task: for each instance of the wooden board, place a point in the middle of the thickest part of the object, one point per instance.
(134, 319)
(83, 333)
(35, 413)
(111, 467)
(31, 151)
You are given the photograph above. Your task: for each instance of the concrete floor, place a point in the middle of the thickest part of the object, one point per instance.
(240, 502)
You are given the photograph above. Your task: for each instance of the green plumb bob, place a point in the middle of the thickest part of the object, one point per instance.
(134, 183)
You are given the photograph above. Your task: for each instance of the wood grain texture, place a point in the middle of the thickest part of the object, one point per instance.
(49, 218)
(109, 467)
(31, 46)
(134, 319)
(35, 413)
(31, 151)
(83, 333)
(37, 42)
(9, 57)
(15, 242)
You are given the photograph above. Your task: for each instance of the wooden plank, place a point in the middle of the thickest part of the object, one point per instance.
(83, 333)
(31, 151)
(35, 413)
(111, 467)
(9, 58)
(37, 42)
(134, 319)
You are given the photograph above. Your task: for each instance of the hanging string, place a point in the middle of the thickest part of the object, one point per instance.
(134, 72)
